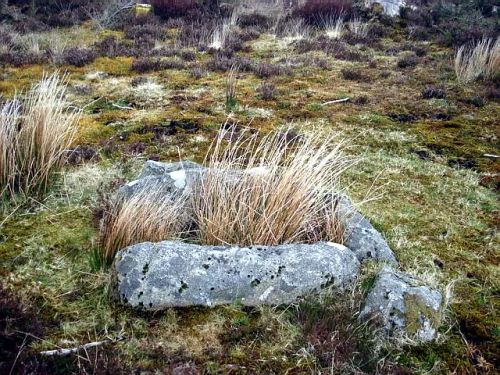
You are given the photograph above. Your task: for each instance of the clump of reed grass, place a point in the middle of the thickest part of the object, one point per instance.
(222, 31)
(146, 216)
(282, 193)
(359, 28)
(481, 60)
(231, 88)
(34, 134)
(334, 27)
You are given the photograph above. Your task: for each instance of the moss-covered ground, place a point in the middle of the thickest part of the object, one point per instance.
(425, 160)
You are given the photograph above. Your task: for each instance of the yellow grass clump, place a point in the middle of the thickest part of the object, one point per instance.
(34, 134)
(146, 216)
(280, 189)
(479, 61)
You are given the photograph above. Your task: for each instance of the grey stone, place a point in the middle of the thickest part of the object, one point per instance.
(391, 7)
(361, 237)
(168, 178)
(156, 168)
(403, 306)
(154, 276)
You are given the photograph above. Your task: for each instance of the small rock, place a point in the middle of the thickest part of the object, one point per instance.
(155, 276)
(361, 237)
(403, 306)
(389, 7)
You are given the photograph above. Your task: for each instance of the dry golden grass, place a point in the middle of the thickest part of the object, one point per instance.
(147, 216)
(9, 117)
(34, 135)
(271, 191)
(479, 61)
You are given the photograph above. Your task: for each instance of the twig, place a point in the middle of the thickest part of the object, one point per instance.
(337, 101)
(120, 107)
(18, 354)
(491, 156)
(63, 352)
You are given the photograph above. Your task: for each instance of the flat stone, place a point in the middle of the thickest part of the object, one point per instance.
(155, 276)
(403, 306)
(167, 178)
(156, 168)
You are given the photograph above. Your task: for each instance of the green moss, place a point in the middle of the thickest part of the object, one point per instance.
(429, 210)
(416, 310)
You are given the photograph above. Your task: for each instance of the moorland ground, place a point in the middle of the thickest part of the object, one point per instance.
(156, 89)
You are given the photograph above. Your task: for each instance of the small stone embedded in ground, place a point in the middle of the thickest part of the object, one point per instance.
(389, 7)
(403, 306)
(361, 237)
(155, 276)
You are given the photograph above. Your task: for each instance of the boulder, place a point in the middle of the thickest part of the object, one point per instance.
(403, 306)
(365, 241)
(155, 276)
(361, 237)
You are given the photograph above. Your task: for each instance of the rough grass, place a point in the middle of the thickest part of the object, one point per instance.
(285, 194)
(280, 189)
(438, 214)
(481, 60)
(34, 134)
(147, 216)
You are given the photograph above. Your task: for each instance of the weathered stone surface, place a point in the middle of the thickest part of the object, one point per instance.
(361, 237)
(390, 7)
(168, 178)
(156, 168)
(404, 306)
(367, 242)
(154, 276)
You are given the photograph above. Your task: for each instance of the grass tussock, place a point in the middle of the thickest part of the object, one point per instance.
(283, 193)
(334, 27)
(479, 61)
(147, 216)
(34, 134)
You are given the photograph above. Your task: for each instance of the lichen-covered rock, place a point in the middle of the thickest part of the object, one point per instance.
(361, 237)
(154, 276)
(404, 306)
(156, 168)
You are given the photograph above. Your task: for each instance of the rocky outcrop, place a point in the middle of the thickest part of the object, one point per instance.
(181, 177)
(154, 276)
(403, 306)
